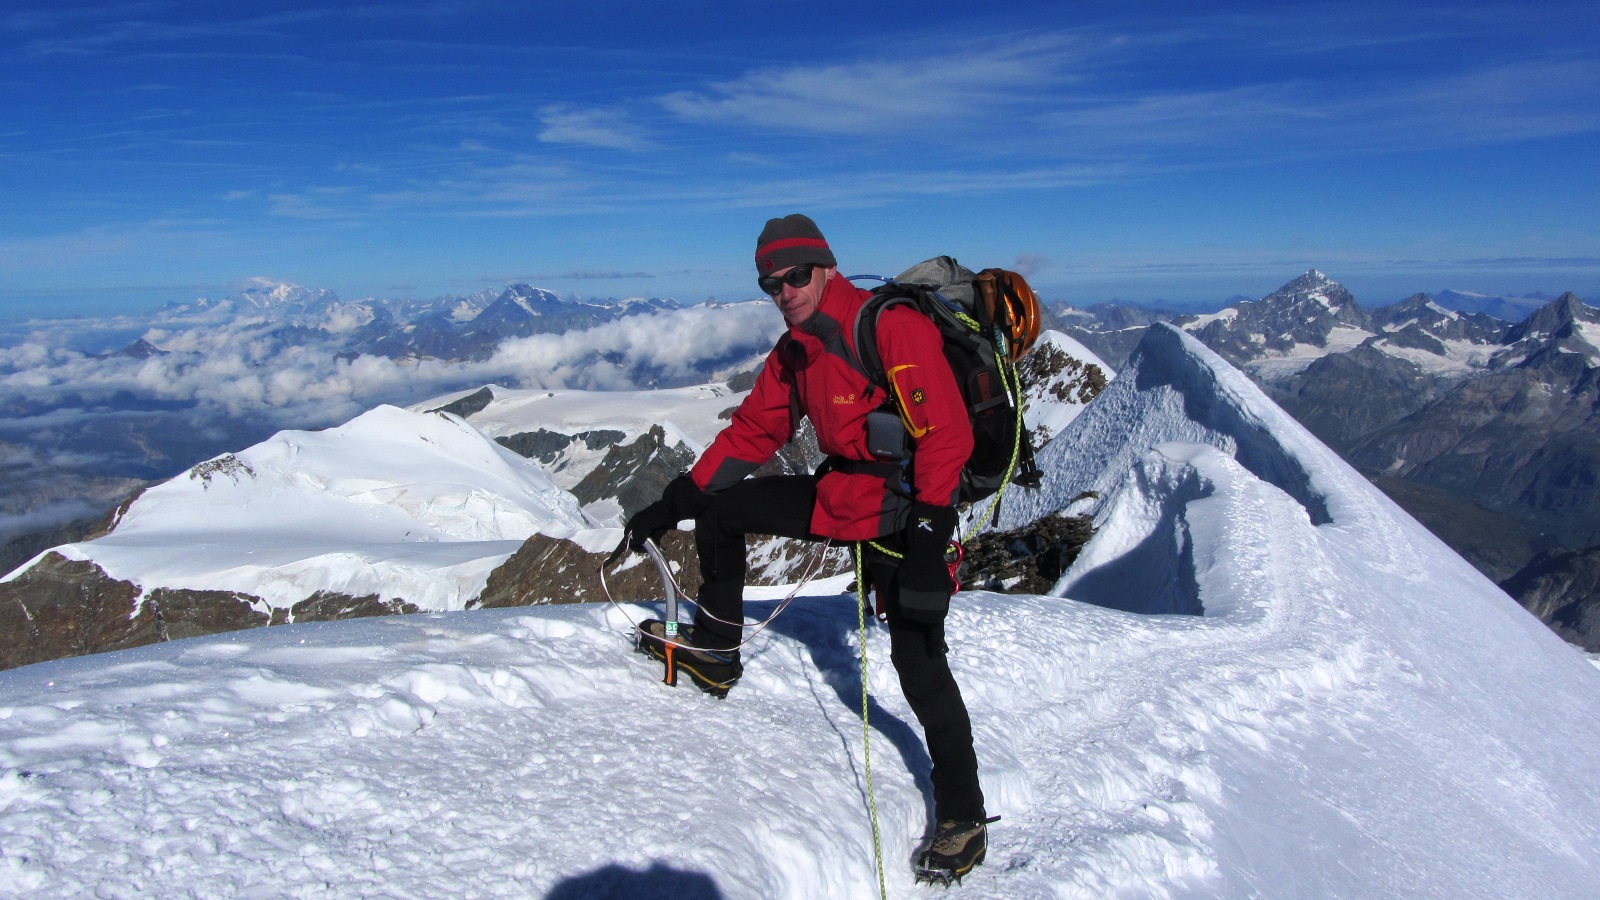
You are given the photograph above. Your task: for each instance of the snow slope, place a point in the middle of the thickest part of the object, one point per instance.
(1357, 714)
(399, 504)
(687, 415)
(411, 506)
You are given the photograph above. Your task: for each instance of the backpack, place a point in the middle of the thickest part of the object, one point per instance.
(987, 320)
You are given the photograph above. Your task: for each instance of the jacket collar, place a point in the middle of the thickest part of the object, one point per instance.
(834, 307)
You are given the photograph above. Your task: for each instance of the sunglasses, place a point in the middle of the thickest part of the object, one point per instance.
(799, 276)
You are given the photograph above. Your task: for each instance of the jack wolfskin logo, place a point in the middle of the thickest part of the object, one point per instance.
(917, 396)
(844, 399)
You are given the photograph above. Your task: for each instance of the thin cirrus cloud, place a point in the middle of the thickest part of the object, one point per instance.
(602, 128)
(1504, 102)
(1063, 100)
(1078, 109)
(875, 93)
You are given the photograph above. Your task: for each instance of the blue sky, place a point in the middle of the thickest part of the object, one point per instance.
(155, 151)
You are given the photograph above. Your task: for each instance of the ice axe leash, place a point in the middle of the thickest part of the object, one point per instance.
(673, 592)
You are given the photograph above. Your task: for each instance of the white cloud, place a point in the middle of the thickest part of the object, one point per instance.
(1030, 264)
(591, 127)
(931, 89)
(671, 347)
(230, 369)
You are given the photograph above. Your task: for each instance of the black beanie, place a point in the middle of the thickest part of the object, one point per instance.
(793, 240)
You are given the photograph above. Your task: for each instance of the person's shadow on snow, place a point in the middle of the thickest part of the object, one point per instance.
(615, 882)
(827, 627)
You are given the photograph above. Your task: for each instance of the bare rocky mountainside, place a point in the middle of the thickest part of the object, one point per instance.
(1483, 429)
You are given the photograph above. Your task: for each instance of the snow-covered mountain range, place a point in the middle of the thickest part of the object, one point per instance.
(490, 497)
(1336, 721)
(1313, 317)
(89, 409)
(1485, 429)
(1481, 427)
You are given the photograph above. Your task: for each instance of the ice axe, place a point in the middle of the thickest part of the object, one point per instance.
(669, 588)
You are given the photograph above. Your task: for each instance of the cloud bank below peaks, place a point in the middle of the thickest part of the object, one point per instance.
(247, 370)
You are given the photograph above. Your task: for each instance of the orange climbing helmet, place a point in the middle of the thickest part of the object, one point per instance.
(1012, 306)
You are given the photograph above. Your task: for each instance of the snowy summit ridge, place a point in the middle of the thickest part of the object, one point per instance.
(397, 504)
(1338, 722)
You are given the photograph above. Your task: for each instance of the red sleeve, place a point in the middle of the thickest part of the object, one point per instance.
(930, 402)
(760, 427)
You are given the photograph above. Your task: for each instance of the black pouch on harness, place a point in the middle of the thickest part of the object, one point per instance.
(886, 435)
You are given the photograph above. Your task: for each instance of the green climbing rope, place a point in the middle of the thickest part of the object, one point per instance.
(866, 730)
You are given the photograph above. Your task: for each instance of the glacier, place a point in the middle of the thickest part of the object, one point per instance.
(1260, 678)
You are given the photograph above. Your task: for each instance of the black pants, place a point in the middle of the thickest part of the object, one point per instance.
(781, 505)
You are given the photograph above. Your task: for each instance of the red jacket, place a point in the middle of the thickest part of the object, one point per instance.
(836, 396)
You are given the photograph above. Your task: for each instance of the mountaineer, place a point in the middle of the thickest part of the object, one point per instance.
(906, 507)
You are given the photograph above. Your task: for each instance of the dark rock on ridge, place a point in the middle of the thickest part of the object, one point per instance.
(61, 607)
(1026, 560)
(635, 474)
(1562, 588)
(466, 406)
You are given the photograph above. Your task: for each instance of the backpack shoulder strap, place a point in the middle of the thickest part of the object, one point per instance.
(793, 356)
(865, 329)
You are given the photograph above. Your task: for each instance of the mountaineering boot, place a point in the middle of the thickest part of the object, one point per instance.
(952, 851)
(712, 671)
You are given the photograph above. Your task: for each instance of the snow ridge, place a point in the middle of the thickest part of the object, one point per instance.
(410, 506)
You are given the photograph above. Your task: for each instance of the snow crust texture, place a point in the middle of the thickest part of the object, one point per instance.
(1357, 713)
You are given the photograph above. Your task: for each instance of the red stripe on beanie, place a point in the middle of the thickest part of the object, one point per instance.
(786, 243)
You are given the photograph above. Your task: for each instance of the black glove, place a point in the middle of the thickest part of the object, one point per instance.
(681, 500)
(925, 582)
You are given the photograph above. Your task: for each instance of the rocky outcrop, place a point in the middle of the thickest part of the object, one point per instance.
(61, 607)
(635, 474)
(325, 606)
(550, 570)
(1060, 376)
(1026, 560)
(466, 406)
(547, 447)
(1051, 374)
(1562, 588)
(185, 614)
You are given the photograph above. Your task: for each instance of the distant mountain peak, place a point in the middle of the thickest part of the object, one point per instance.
(266, 293)
(1312, 280)
(1316, 288)
(1554, 320)
(141, 349)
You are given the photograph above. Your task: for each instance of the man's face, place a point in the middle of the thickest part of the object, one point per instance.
(799, 304)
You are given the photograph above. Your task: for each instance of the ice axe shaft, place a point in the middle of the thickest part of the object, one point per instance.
(668, 586)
